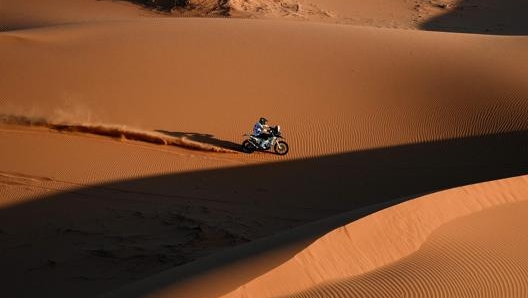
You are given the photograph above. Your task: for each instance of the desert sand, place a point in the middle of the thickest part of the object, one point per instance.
(121, 173)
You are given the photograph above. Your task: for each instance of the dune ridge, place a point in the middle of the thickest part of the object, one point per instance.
(113, 131)
(455, 261)
(388, 237)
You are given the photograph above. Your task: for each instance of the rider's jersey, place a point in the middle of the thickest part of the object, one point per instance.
(259, 129)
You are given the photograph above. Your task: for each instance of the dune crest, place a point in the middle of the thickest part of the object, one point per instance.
(479, 255)
(381, 239)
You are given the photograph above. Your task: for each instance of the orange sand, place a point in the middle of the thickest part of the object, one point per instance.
(120, 170)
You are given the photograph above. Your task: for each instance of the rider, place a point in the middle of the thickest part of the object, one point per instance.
(261, 131)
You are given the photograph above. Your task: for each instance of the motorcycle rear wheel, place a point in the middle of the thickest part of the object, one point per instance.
(281, 148)
(247, 147)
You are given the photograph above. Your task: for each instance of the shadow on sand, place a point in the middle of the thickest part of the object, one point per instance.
(203, 138)
(90, 240)
(502, 17)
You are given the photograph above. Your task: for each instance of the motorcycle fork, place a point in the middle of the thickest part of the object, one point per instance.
(254, 142)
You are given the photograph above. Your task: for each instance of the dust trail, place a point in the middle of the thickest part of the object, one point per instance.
(113, 131)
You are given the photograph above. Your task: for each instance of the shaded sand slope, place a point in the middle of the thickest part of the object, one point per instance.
(332, 88)
(481, 254)
(508, 17)
(99, 236)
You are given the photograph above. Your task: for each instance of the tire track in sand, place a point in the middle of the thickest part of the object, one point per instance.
(113, 131)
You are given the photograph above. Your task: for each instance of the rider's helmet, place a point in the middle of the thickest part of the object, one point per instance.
(263, 120)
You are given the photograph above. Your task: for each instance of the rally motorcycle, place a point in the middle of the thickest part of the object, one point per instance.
(275, 141)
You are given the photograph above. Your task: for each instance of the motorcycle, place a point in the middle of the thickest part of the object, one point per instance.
(275, 141)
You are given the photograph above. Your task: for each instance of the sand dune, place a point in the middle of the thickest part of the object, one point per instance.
(96, 201)
(439, 244)
(457, 260)
(433, 245)
(418, 82)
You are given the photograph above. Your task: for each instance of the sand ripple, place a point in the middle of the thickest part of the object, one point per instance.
(464, 242)
(480, 255)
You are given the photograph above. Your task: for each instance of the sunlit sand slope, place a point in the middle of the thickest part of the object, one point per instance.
(332, 88)
(469, 241)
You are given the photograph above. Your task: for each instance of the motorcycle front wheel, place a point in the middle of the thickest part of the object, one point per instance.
(281, 148)
(247, 147)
